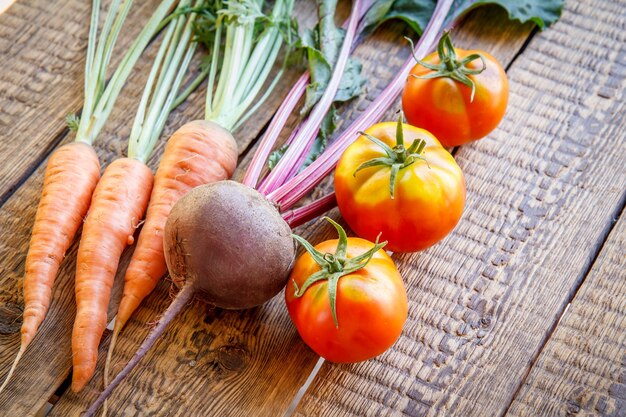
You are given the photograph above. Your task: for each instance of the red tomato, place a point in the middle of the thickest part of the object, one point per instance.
(371, 303)
(428, 194)
(443, 105)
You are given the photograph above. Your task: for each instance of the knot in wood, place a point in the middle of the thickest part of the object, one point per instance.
(10, 318)
(232, 358)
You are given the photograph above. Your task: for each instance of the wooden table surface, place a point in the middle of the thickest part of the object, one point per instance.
(521, 311)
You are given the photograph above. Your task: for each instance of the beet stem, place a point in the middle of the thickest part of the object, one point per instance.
(182, 298)
(301, 215)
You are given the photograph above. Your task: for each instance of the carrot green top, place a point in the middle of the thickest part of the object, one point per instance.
(245, 58)
(100, 96)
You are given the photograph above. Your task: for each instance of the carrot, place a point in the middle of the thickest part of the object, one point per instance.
(71, 175)
(117, 207)
(200, 152)
(121, 198)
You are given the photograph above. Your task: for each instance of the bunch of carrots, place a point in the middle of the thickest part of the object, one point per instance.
(113, 205)
(73, 170)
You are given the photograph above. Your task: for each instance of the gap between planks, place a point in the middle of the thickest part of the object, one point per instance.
(599, 247)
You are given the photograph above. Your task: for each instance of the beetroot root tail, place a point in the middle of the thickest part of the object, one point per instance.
(183, 297)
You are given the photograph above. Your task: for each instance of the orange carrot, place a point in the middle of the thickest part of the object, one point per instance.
(198, 153)
(118, 205)
(71, 175)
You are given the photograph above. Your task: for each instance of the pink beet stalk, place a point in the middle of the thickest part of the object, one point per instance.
(294, 189)
(292, 136)
(273, 131)
(301, 215)
(311, 126)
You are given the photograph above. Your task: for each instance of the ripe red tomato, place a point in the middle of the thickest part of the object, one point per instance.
(443, 105)
(414, 210)
(370, 302)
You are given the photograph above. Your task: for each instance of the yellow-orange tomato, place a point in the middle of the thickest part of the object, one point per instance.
(429, 194)
(444, 106)
(371, 305)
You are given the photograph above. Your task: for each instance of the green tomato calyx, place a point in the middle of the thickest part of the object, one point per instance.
(333, 265)
(450, 66)
(398, 157)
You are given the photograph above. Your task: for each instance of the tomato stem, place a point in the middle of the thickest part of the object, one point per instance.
(333, 265)
(398, 157)
(449, 66)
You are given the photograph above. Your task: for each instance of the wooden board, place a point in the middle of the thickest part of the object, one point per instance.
(469, 295)
(582, 368)
(542, 193)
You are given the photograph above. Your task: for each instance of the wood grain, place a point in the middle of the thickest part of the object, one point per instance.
(582, 368)
(542, 193)
(42, 51)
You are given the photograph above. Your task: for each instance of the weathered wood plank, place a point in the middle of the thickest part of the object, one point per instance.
(542, 192)
(273, 371)
(582, 368)
(47, 364)
(42, 54)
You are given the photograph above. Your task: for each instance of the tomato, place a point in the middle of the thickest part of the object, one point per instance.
(370, 305)
(443, 105)
(412, 211)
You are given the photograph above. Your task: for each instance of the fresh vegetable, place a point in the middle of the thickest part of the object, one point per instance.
(347, 300)
(117, 206)
(398, 181)
(457, 95)
(121, 197)
(73, 170)
(227, 241)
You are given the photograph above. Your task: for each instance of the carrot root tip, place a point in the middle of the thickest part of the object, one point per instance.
(15, 362)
